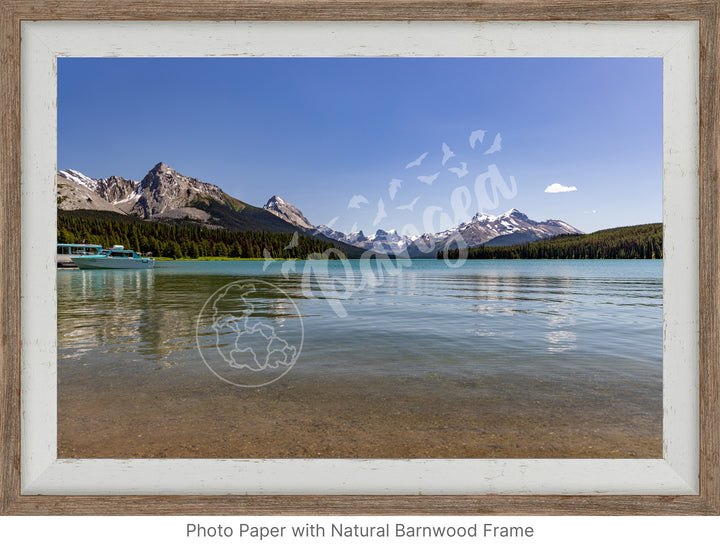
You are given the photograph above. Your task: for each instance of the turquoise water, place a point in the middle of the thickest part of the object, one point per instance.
(571, 320)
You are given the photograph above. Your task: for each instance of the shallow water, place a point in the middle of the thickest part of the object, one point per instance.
(555, 339)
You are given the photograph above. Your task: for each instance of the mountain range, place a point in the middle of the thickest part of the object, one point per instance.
(165, 195)
(510, 228)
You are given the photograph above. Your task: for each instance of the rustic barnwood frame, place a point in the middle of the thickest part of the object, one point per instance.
(705, 12)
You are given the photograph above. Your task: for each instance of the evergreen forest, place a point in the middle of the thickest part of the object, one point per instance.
(187, 240)
(629, 242)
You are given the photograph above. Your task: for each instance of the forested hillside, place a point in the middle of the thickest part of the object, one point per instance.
(628, 242)
(185, 240)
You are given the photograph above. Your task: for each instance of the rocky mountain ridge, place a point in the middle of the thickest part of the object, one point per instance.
(165, 194)
(162, 193)
(288, 212)
(513, 225)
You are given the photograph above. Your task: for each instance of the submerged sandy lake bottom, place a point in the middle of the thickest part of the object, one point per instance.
(245, 359)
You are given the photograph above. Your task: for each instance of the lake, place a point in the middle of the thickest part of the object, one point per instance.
(520, 358)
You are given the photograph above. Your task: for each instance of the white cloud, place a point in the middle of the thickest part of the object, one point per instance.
(558, 188)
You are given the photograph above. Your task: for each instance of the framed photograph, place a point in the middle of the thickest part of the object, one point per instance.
(359, 258)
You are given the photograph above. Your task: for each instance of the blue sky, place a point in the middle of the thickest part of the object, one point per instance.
(318, 132)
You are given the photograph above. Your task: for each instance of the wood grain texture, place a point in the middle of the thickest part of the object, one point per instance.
(9, 258)
(705, 11)
(361, 505)
(710, 259)
(359, 10)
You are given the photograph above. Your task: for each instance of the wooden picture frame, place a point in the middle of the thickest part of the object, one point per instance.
(14, 12)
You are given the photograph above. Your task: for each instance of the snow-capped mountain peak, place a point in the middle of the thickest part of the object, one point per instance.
(163, 193)
(484, 217)
(166, 194)
(479, 230)
(276, 200)
(80, 178)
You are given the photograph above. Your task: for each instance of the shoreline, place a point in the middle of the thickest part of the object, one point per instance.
(167, 259)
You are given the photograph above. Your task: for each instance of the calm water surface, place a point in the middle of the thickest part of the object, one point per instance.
(566, 319)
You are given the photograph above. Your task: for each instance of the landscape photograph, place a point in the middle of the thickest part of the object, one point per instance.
(359, 257)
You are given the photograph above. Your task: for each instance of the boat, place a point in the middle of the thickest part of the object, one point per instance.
(65, 252)
(117, 257)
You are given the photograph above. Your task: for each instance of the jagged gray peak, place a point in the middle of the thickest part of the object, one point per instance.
(116, 191)
(163, 192)
(288, 212)
(77, 191)
(164, 189)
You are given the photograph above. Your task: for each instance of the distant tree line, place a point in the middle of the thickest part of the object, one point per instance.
(178, 241)
(628, 242)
